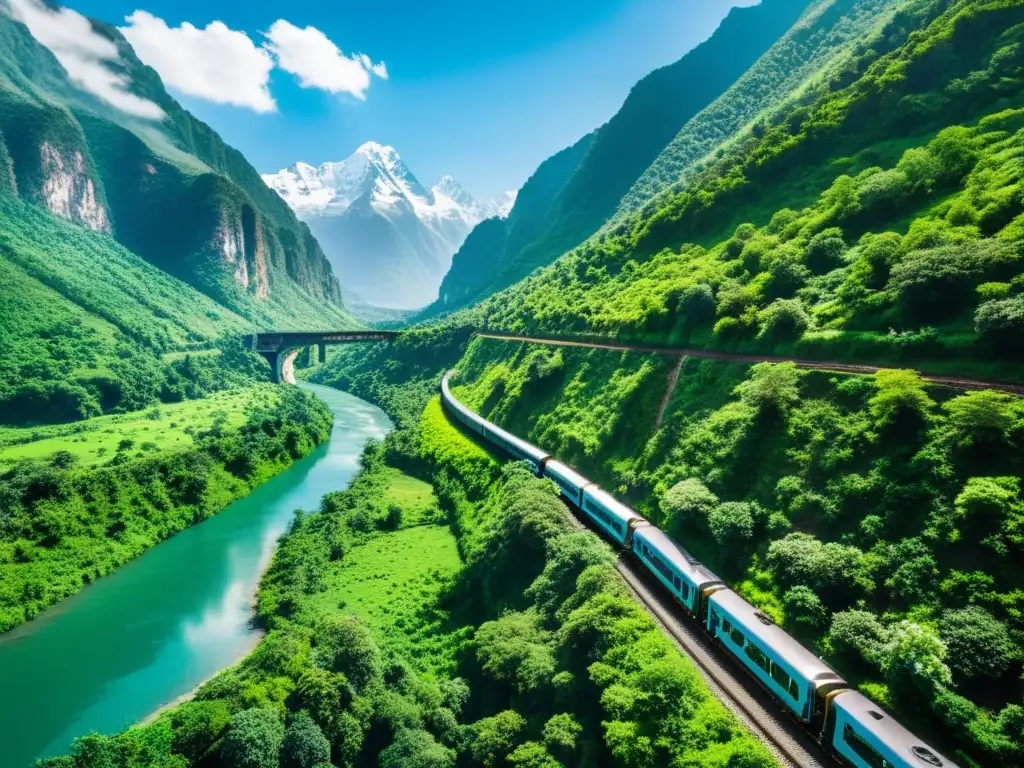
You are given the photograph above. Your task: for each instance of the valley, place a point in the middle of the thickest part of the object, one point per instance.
(728, 390)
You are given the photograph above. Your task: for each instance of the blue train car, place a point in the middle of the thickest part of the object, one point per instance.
(791, 672)
(516, 448)
(865, 736)
(674, 567)
(610, 515)
(460, 412)
(569, 482)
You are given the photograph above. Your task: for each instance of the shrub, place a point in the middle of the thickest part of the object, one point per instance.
(979, 645)
(783, 320)
(804, 609)
(900, 398)
(771, 386)
(253, 740)
(825, 251)
(686, 501)
(857, 636)
(1001, 323)
(697, 304)
(304, 745)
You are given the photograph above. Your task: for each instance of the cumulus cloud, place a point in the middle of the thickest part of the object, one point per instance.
(309, 54)
(215, 63)
(85, 55)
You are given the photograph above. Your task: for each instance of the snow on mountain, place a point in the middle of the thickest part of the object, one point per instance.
(371, 204)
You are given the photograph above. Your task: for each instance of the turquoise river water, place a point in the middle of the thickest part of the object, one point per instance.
(152, 631)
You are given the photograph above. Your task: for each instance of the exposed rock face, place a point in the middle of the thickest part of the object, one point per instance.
(240, 240)
(68, 191)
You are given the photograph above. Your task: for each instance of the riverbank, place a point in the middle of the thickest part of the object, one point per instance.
(149, 633)
(73, 519)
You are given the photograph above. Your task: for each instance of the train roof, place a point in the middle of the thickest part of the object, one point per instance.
(677, 556)
(756, 624)
(613, 505)
(567, 473)
(883, 727)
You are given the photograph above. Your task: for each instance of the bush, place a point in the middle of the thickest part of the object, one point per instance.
(825, 251)
(253, 740)
(978, 644)
(304, 745)
(697, 304)
(772, 387)
(857, 636)
(687, 501)
(1001, 324)
(732, 525)
(835, 572)
(804, 609)
(783, 320)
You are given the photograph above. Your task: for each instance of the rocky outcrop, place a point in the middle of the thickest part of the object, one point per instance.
(240, 241)
(68, 191)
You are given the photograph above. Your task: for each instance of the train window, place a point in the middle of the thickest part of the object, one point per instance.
(685, 591)
(726, 626)
(755, 655)
(864, 751)
(737, 636)
(780, 676)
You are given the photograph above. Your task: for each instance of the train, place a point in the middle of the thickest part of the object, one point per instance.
(851, 727)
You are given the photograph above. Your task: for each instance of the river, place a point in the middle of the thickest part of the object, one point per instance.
(159, 626)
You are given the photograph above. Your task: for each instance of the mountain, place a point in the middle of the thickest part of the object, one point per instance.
(160, 182)
(488, 246)
(390, 239)
(619, 151)
(821, 36)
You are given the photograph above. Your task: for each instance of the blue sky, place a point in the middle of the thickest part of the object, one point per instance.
(483, 91)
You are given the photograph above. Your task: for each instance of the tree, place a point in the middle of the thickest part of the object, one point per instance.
(900, 399)
(979, 645)
(987, 505)
(494, 737)
(833, 571)
(1001, 324)
(804, 609)
(561, 734)
(783, 320)
(687, 501)
(532, 754)
(771, 387)
(253, 739)
(347, 646)
(197, 725)
(697, 303)
(416, 749)
(984, 417)
(932, 284)
(913, 662)
(732, 524)
(825, 250)
(304, 744)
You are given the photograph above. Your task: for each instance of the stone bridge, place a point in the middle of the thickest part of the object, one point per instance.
(280, 347)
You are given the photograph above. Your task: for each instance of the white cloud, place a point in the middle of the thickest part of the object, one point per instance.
(84, 54)
(318, 63)
(216, 63)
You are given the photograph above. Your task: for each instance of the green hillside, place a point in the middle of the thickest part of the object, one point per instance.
(880, 222)
(674, 118)
(825, 35)
(880, 218)
(142, 181)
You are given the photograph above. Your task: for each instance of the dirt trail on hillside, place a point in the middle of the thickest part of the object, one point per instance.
(821, 365)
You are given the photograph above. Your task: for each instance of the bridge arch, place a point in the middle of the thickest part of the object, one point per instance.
(279, 348)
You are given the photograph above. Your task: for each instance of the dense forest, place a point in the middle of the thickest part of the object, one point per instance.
(468, 625)
(65, 523)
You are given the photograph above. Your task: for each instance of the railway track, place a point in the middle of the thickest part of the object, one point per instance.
(960, 382)
(755, 708)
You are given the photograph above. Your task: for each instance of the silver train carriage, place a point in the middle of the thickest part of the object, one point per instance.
(865, 736)
(570, 482)
(610, 515)
(689, 581)
(798, 678)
